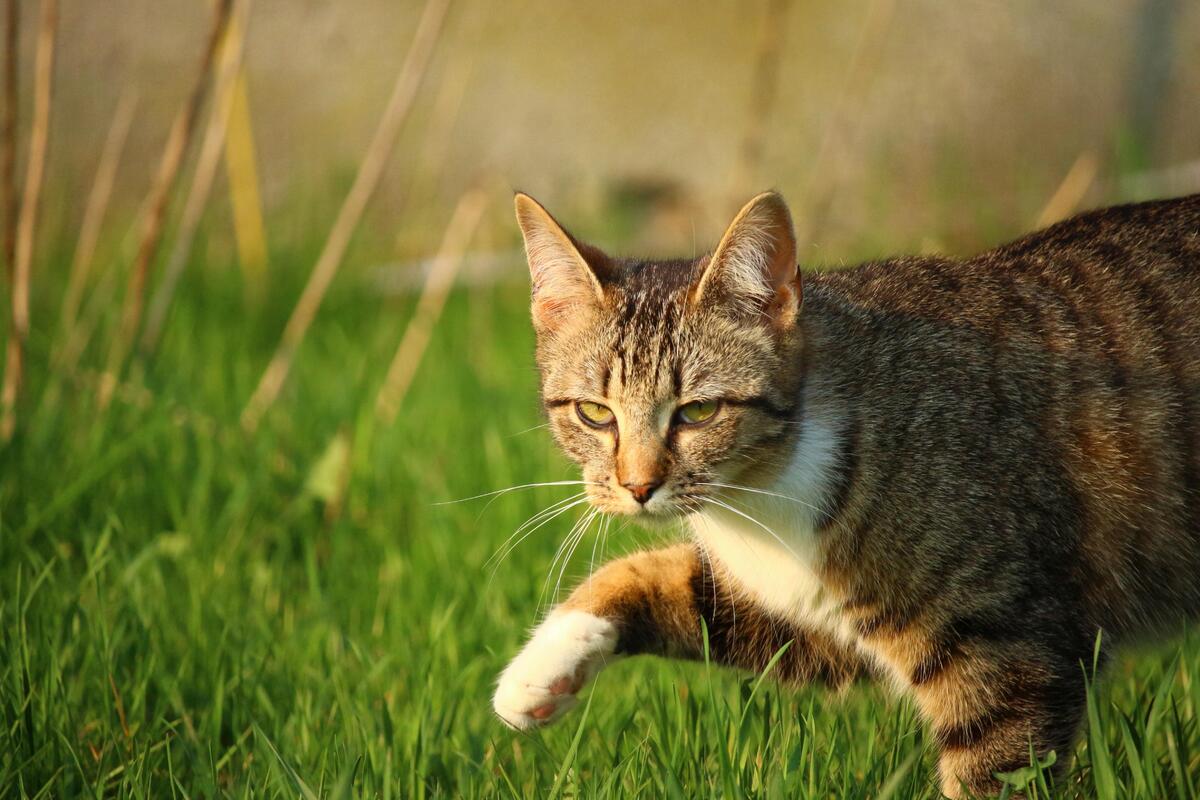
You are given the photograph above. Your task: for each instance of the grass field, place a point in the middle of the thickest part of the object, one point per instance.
(188, 611)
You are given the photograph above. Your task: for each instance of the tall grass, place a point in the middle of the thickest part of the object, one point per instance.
(191, 611)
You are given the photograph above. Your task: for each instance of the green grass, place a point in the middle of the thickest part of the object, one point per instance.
(183, 615)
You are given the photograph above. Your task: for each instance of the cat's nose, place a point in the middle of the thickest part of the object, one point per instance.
(642, 491)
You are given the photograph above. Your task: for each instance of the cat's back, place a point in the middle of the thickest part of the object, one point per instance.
(1141, 253)
(1069, 357)
(1166, 227)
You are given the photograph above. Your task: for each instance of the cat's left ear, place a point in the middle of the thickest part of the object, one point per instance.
(753, 271)
(565, 273)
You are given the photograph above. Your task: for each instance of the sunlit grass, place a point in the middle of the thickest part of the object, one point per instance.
(185, 613)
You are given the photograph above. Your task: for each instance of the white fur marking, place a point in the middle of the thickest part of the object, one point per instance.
(781, 575)
(562, 655)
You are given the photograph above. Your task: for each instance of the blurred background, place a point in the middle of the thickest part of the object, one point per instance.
(265, 326)
(872, 116)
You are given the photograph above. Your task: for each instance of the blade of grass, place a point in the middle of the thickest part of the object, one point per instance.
(1098, 752)
(892, 785)
(294, 780)
(1070, 192)
(762, 676)
(564, 768)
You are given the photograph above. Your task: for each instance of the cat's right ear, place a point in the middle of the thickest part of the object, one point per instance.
(753, 270)
(563, 278)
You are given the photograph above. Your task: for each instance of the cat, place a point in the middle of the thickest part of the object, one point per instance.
(961, 477)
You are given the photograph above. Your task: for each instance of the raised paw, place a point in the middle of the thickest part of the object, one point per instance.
(542, 683)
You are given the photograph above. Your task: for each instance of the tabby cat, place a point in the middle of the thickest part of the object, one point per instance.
(956, 476)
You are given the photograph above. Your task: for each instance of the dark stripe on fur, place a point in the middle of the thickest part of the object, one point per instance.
(967, 735)
(765, 405)
(934, 664)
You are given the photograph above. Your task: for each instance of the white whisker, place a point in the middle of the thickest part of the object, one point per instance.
(706, 555)
(602, 533)
(735, 487)
(528, 430)
(537, 517)
(743, 515)
(565, 551)
(516, 488)
(567, 559)
(546, 517)
(576, 530)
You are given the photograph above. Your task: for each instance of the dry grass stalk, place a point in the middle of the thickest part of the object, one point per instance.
(102, 297)
(230, 63)
(1070, 192)
(438, 283)
(8, 191)
(39, 139)
(764, 91)
(8, 135)
(97, 206)
(245, 202)
(370, 170)
(178, 139)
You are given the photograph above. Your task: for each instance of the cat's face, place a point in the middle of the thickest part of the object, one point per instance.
(663, 380)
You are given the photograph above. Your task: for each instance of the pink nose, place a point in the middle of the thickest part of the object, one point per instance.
(642, 491)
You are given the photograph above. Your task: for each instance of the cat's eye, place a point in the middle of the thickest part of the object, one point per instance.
(697, 412)
(594, 414)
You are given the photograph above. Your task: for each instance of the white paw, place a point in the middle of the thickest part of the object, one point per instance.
(543, 681)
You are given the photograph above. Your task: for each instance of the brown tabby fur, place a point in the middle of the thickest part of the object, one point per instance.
(1018, 459)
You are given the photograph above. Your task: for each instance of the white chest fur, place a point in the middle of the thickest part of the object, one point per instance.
(764, 537)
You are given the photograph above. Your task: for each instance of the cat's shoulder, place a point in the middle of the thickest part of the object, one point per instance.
(1114, 237)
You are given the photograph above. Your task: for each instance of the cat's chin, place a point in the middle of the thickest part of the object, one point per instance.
(659, 517)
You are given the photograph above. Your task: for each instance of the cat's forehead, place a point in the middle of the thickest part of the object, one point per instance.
(662, 279)
(648, 341)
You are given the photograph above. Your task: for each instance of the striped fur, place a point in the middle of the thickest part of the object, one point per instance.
(953, 475)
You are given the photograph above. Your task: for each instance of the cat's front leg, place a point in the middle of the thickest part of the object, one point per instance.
(643, 603)
(658, 602)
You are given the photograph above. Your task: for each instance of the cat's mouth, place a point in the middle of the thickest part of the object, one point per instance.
(662, 505)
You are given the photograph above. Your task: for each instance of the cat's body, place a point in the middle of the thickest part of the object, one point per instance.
(953, 475)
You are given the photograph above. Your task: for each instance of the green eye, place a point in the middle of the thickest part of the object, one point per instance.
(594, 414)
(698, 412)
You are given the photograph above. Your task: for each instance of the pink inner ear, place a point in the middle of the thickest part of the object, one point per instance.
(550, 310)
(781, 253)
(754, 267)
(784, 309)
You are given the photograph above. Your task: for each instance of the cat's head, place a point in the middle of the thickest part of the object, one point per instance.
(662, 378)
